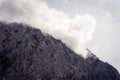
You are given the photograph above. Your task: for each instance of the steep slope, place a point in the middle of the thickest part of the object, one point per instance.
(27, 54)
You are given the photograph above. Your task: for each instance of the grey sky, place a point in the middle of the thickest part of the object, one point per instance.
(106, 40)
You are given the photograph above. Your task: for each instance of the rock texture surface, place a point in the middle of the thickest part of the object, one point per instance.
(27, 54)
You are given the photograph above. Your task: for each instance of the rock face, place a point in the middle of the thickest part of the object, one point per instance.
(27, 54)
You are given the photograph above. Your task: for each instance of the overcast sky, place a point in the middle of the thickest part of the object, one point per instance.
(106, 37)
(92, 24)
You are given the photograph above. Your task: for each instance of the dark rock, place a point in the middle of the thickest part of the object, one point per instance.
(27, 54)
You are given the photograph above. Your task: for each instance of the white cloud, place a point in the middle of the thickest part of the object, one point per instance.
(75, 31)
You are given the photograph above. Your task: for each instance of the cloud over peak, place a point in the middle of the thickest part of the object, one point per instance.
(74, 31)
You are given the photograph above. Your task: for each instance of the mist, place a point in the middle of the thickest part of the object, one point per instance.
(75, 31)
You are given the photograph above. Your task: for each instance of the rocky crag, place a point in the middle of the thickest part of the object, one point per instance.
(27, 54)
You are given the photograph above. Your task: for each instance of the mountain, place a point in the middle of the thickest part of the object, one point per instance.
(28, 54)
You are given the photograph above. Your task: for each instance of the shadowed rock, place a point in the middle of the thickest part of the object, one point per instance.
(27, 54)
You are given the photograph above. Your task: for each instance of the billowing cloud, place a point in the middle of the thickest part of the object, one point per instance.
(74, 31)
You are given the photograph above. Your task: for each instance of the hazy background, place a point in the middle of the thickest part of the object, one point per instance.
(106, 38)
(92, 24)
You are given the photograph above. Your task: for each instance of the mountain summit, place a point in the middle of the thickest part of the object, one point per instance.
(27, 54)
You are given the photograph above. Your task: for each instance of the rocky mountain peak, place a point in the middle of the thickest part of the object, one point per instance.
(27, 54)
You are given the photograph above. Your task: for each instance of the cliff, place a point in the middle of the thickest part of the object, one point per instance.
(27, 54)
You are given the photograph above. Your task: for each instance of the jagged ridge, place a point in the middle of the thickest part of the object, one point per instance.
(27, 54)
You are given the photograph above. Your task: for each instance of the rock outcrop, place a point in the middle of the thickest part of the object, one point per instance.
(27, 54)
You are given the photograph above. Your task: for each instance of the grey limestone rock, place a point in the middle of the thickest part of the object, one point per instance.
(27, 54)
